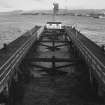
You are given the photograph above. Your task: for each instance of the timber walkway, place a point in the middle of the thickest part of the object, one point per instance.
(57, 76)
(62, 67)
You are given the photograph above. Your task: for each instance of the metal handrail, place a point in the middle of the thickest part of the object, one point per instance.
(12, 59)
(93, 57)
(86, 49)
(7, 67)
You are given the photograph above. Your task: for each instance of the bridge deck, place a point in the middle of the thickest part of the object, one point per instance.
(56, 75)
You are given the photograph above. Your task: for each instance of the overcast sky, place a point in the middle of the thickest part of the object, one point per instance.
(6, 5)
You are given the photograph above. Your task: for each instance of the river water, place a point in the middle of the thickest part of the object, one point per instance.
(14, 25)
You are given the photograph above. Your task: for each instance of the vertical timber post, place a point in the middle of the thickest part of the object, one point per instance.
(4, 95)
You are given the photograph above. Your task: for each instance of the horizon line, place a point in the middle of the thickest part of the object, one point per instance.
(51, 9)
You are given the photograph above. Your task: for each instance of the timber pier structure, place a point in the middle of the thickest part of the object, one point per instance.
(52, 67)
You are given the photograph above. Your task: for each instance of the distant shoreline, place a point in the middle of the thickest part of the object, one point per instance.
(93, 15)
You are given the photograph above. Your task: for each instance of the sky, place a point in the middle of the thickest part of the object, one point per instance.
(8, 5)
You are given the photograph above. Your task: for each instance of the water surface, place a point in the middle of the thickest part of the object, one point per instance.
(14, 25)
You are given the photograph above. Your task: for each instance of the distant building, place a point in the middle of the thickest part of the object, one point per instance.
(56, 8)
(54, 25)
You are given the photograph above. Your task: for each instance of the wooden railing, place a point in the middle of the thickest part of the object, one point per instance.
(7, 69)
(90, 56)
